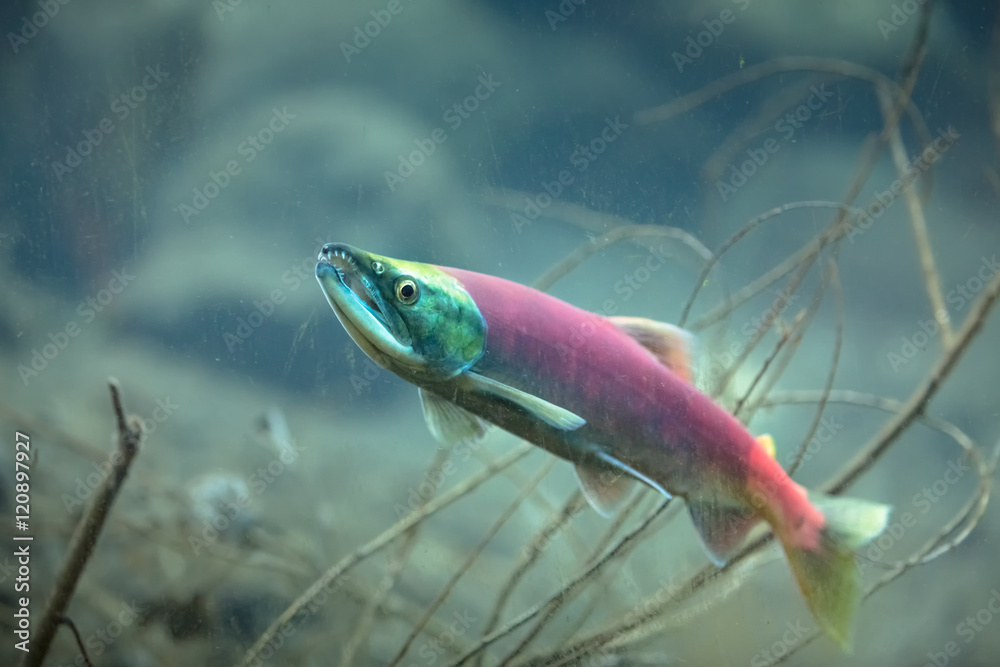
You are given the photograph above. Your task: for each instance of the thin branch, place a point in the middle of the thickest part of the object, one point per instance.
(371, 605)
(528, 489)
(918, 401)
(88, 530)
(617, 234)
(337, 570)
(968, 517)
(624, 546)
(918, 224)
(871, 151)
(912, 410)
(838, 298)
(573, 505)
(781, 65)
(746, 229)
(599, 548)
(68, 622)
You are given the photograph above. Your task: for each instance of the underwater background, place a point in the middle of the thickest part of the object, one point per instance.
(171, 168)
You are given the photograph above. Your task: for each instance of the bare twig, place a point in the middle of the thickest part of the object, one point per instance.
(967, 518)
(838, 228)
(617, 234)
(918, 401)
(573, 505)
(919, 225)
(338, 569)
(68, 622)
(528, 489)
(912, 410)
(624, 546)
(746, 229)
(88, 530)
(599, 549)
(791, 64)
(371, 605)
(838, 298)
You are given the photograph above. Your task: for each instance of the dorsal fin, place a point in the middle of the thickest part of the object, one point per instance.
(669, 344)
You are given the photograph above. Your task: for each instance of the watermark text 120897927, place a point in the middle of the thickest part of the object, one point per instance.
(22, 514)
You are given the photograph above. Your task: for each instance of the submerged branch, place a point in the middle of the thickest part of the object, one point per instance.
(528, 489)
(918, 401)
(337, 570)
(88, 530)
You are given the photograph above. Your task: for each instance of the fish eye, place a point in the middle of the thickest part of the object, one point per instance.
(406, 290)
(378, 268)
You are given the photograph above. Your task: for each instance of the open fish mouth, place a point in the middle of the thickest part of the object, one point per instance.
(346, 269)
(343, 273)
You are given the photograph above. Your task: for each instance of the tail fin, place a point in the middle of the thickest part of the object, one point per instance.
(826, 573)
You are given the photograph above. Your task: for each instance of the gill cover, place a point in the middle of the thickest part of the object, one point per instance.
(412, 318)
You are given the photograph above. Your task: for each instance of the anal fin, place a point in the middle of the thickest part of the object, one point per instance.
(606, 490)
(722, 528)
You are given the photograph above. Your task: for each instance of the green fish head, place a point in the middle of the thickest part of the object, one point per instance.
(411, 318)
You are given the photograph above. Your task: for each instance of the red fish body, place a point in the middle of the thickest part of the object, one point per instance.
(612, 395)
(637, 409)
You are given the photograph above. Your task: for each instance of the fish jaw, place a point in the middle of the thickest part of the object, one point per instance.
(343, 275)
(433, 336)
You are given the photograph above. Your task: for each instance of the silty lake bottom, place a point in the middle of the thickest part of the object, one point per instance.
(810, 192)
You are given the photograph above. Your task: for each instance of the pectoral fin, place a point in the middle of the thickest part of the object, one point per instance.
(549, 413)
(669, 344)
(448, 423)
(605, 490)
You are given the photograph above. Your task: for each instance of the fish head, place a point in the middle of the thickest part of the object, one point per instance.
(413, 319)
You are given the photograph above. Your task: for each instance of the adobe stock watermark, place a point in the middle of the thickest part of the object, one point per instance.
(565, 9)
(968, 629)
(627, 287)
(792, 637)
(288, 629)
(381, 18)
(900, 14)
(827, 430)
(785, 126)
(248, 149)
(454, 116)
(720, 361)
(225, 510)
(297, 273)
(87, 310)
(433, 649)
(911, 172)
(695, 44)
(31, 25)
(580, 159)
(959, 296)
(434, 479)
(85, 486)
(121, 107)
(923, 501)
(369, 373)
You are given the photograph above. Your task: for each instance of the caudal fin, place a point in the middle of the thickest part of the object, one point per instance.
(826, 573)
